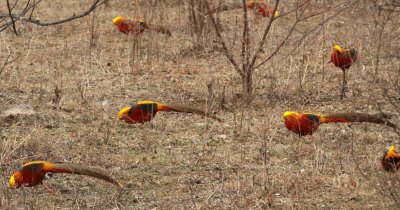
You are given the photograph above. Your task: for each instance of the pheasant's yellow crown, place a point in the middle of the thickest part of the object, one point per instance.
(337, 48)
(289, 114)
(118, 19)
(123, 112)
(390, 149)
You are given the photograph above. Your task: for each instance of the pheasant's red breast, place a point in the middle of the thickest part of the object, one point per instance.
(344, 58)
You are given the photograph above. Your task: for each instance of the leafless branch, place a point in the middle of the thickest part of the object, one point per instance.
(8, 61)
(293, 10)
(246, 38)
(95, 4)
(12, 19)
(379, 47)
(30, 6)
(302, 19)
(266, 31)
(221, 39)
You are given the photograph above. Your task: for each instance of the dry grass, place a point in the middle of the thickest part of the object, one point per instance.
(185, 161)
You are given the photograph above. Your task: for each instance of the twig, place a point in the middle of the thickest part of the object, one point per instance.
(11, 17)
(294, 10)
(20, 17)
(8, 62)
(378, 51)
(221, 40)
(279, 46)
(294, 26)
(245, 40)
(266, 31)
(73, 17)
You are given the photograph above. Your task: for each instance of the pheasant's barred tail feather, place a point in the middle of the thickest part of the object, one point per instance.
(194, 110)
(363, 117)
(160, 29)
(84, 170)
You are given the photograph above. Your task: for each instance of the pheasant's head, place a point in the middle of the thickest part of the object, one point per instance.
(118, 20)
(15, 180)
(123, 113)
(390, 160)
(271, 10)
(337, 48)
(250, 4)
(390, 152)
(290, 116)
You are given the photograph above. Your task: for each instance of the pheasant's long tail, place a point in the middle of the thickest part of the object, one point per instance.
(360, 117)
(160, 29)
(189, 109)
(84, 170)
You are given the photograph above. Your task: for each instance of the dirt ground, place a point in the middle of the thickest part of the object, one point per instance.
(76, 76)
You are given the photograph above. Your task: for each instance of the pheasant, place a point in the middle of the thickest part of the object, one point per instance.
(260, 8)
(391, 159)
(136, 26)
(144, 111)
(343, 59)
(306, 123)
(33, 173)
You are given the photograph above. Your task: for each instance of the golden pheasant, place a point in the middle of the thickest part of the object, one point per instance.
(260, 8)
(343, 58)
(391, 159)
(144, 111)
(33, 173)
(306, 123)
(137, 26)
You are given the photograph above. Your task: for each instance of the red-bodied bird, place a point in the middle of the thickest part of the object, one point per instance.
(145, 111)
(33, 173)
(343, 58)
(261, 8)
(306, 123)
(391, 159)
(137, 26)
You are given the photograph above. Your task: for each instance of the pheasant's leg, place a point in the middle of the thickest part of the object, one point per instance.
(342, 95)
(50, 191)
(132, 52)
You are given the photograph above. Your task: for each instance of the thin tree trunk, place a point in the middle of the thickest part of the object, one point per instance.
(247, 85)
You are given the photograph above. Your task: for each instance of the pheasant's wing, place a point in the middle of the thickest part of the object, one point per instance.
(84, 170)
(190, 109)
(32, 167)
(353, 54)
(135, 25)
(362, 117)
